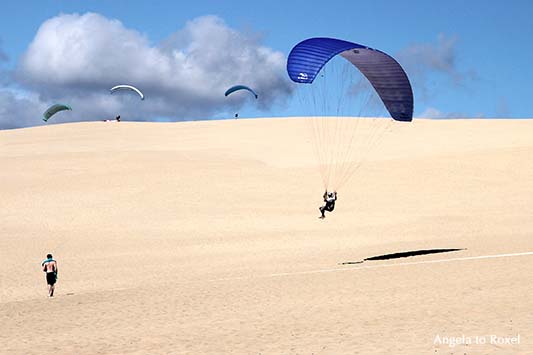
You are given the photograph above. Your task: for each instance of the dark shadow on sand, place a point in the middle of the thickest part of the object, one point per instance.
(403, 254)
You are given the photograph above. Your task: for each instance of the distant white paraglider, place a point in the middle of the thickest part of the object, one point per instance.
(127, 87)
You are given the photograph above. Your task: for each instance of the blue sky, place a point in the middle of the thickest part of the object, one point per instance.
(464, 58)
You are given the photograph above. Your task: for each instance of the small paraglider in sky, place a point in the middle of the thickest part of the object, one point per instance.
(240, 87)
(127, 87)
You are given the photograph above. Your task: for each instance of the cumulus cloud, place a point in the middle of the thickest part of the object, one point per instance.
(439, 57)
(3, 55)
(4, 74)
(75, 59)
(432, 112)
(430, 65)
(502, 108)
(19, 109)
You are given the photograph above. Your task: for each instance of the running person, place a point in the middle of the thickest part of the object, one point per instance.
(50, 267)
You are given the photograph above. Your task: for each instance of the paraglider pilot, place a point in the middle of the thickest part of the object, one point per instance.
(329, 199)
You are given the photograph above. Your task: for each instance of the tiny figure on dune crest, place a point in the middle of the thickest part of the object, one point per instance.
(117, 119)
(329, 199)
(50, 267)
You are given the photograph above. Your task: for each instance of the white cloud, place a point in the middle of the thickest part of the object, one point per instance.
(3, 55)
(433, 69)
(502, 107)
(432, 66)
(439, 57)
(75, 59)
(20, 109)
(432, 112)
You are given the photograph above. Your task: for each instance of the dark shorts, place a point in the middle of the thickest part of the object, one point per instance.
(51, 278)
(330, 206)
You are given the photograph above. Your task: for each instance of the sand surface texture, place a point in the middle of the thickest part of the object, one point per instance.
(203, 238)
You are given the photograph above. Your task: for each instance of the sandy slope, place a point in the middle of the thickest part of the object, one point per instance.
(202, 238)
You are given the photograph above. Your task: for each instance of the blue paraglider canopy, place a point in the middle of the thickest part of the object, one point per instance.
(385, 74)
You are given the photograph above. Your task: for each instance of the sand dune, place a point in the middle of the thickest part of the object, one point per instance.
(203, 238)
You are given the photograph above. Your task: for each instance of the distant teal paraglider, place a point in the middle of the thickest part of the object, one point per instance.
(239, 87)
(52, 110)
